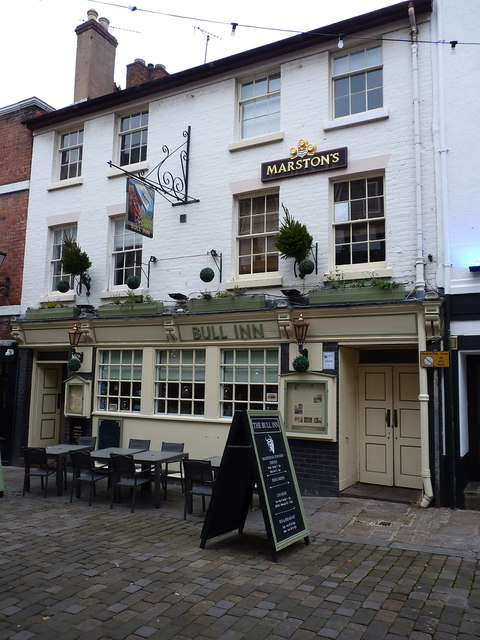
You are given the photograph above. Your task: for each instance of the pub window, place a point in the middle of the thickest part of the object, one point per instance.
(133, 138)
(71, 153)
(260, 106)
(127, 253)
(180, 382)
(357, 81)
(249, 380)
(119, 380)
(257, 226)
(359, 221)
(56, 270)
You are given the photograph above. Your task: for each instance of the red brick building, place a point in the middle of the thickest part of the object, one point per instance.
(15, 161)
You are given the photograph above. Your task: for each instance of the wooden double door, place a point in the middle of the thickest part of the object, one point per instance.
(389, 426)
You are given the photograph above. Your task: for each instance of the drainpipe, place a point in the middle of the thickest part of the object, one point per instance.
(424, 399)
(420, 261)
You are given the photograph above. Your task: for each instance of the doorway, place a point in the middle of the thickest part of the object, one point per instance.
(46, 414)
(389, 426)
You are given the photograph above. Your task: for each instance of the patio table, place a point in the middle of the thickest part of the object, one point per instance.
(60, 453)
(155, 459)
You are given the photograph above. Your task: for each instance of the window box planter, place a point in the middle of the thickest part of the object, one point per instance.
(53, 313)
(355, 294)
(233, 303)
(113, 310)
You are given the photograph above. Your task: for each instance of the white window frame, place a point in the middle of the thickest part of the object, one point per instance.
(136, 130)
(353, 68)
(119, 380)
(183, 374)
(70, 148)
(56, 272)
(240, 371)
(260, 106)
(118, 224)
(342, 215)
(266, 234)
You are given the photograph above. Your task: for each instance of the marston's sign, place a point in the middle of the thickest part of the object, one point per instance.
(304, 159)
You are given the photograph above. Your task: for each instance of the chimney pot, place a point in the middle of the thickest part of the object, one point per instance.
(104, 22)
(92, 14)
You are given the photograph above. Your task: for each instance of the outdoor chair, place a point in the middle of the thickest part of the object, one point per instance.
(87, 441)
(177, 470)
(134, 443)
(198, 481)
(38, 465)
(124, 474)
(85, 472)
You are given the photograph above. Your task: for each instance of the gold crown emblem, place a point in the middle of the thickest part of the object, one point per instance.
(304, 148)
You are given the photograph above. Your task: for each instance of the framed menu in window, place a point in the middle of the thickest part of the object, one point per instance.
(309, 406)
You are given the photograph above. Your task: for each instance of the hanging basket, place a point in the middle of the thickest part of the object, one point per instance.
(133, 282)
(63, 286)
(74, 364)
(305, 267)
(300, 364)
(207, 274)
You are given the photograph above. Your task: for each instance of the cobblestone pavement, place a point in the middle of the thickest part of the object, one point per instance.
(373, 571)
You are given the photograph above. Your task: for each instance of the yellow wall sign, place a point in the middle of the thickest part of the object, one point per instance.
(434, 358)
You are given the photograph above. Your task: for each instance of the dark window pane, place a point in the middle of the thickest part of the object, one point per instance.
(358, 103)
(359, 253)
(377, 251)
(357, 189)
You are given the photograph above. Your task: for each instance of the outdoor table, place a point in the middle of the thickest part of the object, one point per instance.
(155, 459)
(103, 455)
(60, 453)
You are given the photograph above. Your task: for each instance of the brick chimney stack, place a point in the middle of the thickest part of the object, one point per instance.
(138, 72)
(95, 64)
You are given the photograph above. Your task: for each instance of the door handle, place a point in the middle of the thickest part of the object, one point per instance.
(387, 418)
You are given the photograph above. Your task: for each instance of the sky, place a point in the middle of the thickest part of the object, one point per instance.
(38, 40)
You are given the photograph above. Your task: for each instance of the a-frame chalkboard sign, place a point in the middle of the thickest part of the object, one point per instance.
(257, 452)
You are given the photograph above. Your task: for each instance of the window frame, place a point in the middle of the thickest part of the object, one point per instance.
(141, 128)
(370, 265)
(127, 270)
(273, 117)
(267, 234)
(234, 402)
(56, 272)
(351, 73)
(104, 393)
(180, 379)
(68, 149)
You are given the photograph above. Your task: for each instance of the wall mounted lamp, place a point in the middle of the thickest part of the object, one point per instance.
(74, 336)
(300, 329)
(5, 285)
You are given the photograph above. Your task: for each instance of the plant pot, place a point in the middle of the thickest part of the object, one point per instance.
(233, 303)
(135, 309)
(53, 313)
(355, 294)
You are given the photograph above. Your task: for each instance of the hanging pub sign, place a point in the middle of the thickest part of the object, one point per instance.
(304, 158)
(140, 204)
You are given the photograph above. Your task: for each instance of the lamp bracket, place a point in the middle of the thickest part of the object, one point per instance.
(218, 259)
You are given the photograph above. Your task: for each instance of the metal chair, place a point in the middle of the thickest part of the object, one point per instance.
(124, 474)
(134, 443)
(177, 471)
(87, 441)
(198, 479)
(85, 472)
(38, 465)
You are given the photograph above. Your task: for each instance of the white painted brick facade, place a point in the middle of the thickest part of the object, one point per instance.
(217, 175)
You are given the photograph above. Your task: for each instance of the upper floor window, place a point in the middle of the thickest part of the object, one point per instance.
(260, 106)
(133, 138)
(56, 269)
(357, 81)
(257, 226)
(359, 221)
(127, 253)
(71, 151)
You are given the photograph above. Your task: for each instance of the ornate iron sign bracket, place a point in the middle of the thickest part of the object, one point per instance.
(174, 188)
